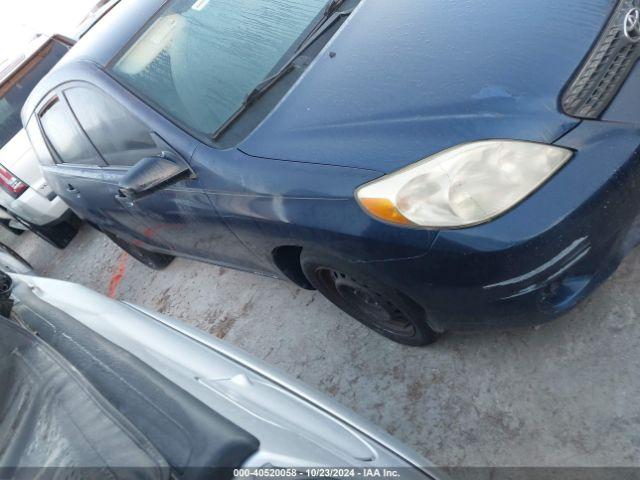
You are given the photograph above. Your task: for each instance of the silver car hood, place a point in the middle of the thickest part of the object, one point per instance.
(296, 425)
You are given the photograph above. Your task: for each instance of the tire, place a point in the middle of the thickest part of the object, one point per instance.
(156, 261)
(15, 231)
(368, 300)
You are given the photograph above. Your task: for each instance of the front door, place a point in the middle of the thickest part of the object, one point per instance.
(177, 217)
(75, 170)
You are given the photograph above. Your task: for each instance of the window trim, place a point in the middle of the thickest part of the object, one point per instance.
(54, 97)
(48, 104)
(58, 94)
(85, 84)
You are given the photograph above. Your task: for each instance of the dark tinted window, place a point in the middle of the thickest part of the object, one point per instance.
(120, 138)
(66, 138)
(199, 58)
(16, 90)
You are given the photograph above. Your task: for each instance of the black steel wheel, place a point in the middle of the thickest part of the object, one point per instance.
(369, 301)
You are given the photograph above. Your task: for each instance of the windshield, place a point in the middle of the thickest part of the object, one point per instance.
(197, 61)
(18, 87)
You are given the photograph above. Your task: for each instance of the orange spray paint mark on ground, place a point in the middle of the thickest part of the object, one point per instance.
(117, 276)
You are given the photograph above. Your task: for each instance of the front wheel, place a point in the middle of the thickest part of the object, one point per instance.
(154, 260)
(368, 300)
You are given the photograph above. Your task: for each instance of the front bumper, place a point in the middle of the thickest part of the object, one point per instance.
(539, 260)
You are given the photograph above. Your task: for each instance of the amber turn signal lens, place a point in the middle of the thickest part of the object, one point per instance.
(385, 210)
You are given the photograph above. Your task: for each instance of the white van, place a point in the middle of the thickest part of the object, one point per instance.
(26, 201)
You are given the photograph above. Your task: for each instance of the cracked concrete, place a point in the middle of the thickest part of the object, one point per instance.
(564, 394)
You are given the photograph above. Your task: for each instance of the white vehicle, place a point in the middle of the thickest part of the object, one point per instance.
(26, 201)
(161, 398)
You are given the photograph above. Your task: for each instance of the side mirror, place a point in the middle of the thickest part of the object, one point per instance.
(150, 174)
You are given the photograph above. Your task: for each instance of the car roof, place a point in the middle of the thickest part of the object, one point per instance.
(98, 46)
(114, 31)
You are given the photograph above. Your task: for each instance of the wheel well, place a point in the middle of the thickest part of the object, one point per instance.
(287, 259)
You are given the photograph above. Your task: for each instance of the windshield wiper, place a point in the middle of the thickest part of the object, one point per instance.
(254, 95)
(330, 17)
(329, 10)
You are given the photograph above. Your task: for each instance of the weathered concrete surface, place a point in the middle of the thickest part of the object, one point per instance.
(565, 394)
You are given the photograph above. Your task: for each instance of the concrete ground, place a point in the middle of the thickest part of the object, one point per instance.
(565, 394)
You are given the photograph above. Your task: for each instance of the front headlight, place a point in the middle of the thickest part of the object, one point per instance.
(464, 185)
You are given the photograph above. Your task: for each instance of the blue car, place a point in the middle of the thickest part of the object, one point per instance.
(427, 166)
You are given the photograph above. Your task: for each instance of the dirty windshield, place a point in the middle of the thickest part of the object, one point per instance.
(198, 60)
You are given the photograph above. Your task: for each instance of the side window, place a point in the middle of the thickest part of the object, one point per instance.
(15, 89)
(65, 137)
(37, 142)
(120, 138)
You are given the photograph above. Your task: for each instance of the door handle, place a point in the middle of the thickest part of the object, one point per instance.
(71, 188)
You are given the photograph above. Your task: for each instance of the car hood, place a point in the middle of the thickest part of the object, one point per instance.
(402, 80)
